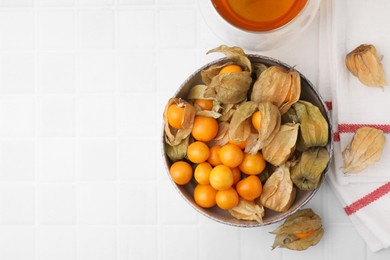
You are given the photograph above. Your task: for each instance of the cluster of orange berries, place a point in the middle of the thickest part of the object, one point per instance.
(223, 174)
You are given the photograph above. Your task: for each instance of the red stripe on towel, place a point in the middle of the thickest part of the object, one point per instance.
(329, 104)
(352, 128)
(369, 198)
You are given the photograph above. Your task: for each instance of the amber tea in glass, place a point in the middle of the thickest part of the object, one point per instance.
(259, 15)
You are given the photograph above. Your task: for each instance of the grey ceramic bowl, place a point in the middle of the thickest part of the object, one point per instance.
(308, 93)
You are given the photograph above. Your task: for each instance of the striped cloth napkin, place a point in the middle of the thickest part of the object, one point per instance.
(345, 24)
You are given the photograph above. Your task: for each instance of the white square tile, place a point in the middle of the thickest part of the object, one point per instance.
(19, 36)
(210, 245)
(17, 204)
(97, 203)
(56, 160)
(16, 3)
(128, 151)
(184, 62)
(258, 241)
(96, 115)
(57, 243)
(56, 3)
(177, 34)
(17, 160)
(175, 235)
(176, 1)
(339, 238)
(56, 72)
(97, 243)
(134, 210)
(138, 242)
(96, 2)
(16, 116)
(96, 29)
(17, 73)
(97, 72)
(97, 160)
(56, 116)
(172, 208)
(136, 72)
(140, 123)
(57, 204)
(17, 243)
(139, 24)
(56, 29)
(136, 2)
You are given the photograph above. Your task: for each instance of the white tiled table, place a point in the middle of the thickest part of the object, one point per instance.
(83, 84)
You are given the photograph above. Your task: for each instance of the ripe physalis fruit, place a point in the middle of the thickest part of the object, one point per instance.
(300, 231)
(181, 172)
(178, 120)
(365, 149)
(364, 63)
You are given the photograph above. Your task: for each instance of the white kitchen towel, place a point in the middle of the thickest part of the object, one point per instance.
(356, 22)
(366, 204)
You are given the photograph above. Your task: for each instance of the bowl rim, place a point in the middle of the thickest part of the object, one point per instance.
(330, 144)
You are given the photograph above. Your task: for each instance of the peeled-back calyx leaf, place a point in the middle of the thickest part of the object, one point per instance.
(174, 136)
(235, 54)
(278, 191)
(282, 146)
(300, 231)
(177, 152)
(240, 123)
(270, 119)
(313, 130)
(279, 86)
(306, 174)
(365, 149)
(364, 63)
(248, 210)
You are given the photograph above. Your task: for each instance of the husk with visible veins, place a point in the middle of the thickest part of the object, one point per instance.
(365, 149)
(248, 210)
(177, 152)
(364, 63)
(198, 92)
(307, 173)
(302, 221)
(278, 191)
(279, 86)
(270, 125)
(313, 130)
(240, 123)
(230, 88)
(235, 54)
(174, 136)
(222, 137)
(209, 73)
(282, 146)
(227, 111)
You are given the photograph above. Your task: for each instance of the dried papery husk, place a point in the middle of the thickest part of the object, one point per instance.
(282, 146)
(177, 152)
(227, 111)
(364, 63)
(235, 54)
(230, 88)
(307, 173)
(258, 68)
(198, 92)
(270, 125)
(248, 210)
(313, 130)
(279, 86)
(301, 222)
(365, 149)
(222, 137)
(240, 123)
(209, 73)
(278, 191)
(174, 136)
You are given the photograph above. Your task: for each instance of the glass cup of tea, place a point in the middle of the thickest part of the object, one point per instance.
(258, 25)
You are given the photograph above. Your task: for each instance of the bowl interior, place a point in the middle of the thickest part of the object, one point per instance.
(308, 93)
